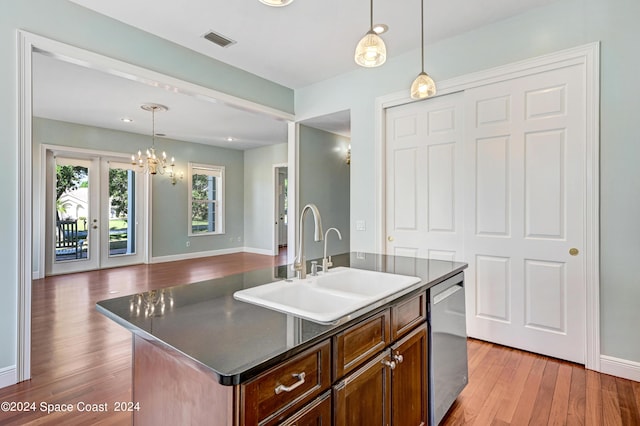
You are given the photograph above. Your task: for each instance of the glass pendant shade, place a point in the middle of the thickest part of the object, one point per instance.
(423, 86)
(371, 51)
(276, 3)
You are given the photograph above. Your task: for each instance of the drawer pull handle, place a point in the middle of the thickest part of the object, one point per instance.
(282, 388)
(398, 358)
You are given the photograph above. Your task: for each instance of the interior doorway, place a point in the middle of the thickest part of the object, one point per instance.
(282, 208)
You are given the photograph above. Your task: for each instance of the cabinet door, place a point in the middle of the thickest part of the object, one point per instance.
(409, 380)
(317, 413)
(363, 397)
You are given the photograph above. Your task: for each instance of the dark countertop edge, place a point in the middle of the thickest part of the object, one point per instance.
(240, 377)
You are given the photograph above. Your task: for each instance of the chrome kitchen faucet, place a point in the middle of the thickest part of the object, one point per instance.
(300, 263)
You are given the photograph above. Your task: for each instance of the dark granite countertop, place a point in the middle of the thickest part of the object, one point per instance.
(238, 340)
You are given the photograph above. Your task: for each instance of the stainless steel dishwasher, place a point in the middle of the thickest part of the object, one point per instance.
(447, 345)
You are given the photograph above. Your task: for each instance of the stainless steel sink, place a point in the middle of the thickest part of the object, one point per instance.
(330, 296)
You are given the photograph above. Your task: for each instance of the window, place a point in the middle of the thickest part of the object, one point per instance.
(206, 199)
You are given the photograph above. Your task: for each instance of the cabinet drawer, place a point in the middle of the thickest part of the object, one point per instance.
(407, 314)
(358, 343)
(275, 394)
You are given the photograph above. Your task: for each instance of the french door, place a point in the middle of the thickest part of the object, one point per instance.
(94, 215)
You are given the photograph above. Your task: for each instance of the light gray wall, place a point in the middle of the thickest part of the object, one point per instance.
(259, 194)
(560, 25)
(75, 25)
(170, 202)
(324, 181)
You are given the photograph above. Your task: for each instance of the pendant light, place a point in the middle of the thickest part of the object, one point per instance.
(423, 86)
(371, 51)
(276, 3)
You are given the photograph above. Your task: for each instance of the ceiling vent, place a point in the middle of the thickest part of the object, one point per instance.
(219, 39)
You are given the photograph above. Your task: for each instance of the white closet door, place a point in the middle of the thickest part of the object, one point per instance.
(525, 199)
(424, 179)
(496, 177)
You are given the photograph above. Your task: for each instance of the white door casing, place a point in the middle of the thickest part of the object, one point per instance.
(569, 287)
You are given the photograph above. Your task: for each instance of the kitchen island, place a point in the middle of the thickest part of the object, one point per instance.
(202, 357)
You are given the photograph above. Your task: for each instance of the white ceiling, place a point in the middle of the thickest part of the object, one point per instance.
(303, 43)
(309, 40)
(67, 92)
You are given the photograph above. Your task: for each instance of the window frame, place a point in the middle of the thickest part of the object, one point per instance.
(219, 173)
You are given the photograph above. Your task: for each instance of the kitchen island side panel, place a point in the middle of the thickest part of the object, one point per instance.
(172, 389)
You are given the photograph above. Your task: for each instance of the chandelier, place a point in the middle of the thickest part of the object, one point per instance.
(151, 163)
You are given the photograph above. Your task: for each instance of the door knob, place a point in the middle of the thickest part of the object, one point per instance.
(573, 251)
(389, 238)
(390, 364)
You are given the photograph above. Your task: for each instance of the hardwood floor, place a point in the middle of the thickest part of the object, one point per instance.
(79, 356)
(512, 387)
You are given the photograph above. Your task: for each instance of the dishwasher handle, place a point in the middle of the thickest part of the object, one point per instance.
(447, 293)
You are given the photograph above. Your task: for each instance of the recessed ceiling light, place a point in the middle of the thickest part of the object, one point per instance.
(229, 139)
(380, 28)
(127, 120)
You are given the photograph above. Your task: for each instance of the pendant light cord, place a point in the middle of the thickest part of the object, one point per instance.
(422, 31)
(371, 15)
(153, 127)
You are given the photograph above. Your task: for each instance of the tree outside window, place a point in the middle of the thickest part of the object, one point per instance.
(206, 199)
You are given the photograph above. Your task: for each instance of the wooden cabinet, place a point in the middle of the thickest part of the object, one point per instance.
(373, 372)
(379, 371)
(391, 389)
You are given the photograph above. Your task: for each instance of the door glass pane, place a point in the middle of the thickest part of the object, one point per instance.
(122, 224)
(72, 210)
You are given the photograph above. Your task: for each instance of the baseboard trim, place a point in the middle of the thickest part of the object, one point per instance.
(187, 256)
(620, 367)
(195, 255)
(258, 251)
(8, 376)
